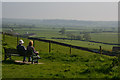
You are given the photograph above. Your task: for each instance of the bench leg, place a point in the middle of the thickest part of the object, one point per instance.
(10, 57)
(37, 60)
(5, 57)
(32, 61)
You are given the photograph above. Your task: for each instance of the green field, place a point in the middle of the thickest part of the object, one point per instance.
(86, 44)
(48, 32)
(60, 64)
(105, 37)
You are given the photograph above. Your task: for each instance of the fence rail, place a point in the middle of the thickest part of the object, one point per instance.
(55, 42)
(63, 44)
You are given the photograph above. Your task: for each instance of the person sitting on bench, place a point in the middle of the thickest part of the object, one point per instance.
(21, 49)
(32, 49)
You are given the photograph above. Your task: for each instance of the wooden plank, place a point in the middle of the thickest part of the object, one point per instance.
(15, 54)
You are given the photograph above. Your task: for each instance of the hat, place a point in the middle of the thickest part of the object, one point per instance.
(21, 41)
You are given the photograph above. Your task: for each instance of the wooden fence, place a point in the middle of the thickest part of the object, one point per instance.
(54, 42)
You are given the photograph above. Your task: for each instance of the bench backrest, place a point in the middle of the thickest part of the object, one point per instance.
(10, 51)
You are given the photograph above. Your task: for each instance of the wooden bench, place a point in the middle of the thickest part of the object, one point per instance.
(13, 52)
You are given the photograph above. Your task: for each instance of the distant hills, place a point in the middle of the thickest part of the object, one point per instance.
(60, 22)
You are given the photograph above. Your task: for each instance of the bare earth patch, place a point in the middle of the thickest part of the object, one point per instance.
(26, 62)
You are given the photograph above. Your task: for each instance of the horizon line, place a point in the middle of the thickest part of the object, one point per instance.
(58, 19)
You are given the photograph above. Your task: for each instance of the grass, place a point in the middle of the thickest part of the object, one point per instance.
(105, 37)
(60, 64)
(63, 66)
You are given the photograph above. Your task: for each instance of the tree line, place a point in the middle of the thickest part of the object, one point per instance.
(83, 36)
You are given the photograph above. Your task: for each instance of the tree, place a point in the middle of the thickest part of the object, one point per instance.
(95, 31)
(113, 29)
(100, 30)
(53, 28)
(71, 36)
(62, 31)
(78, 37)
(83, 32)
(87, 36)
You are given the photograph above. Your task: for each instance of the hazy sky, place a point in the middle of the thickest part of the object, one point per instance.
(100, 11)
(60, 0)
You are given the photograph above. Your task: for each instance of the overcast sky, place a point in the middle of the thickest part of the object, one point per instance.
(100, 11)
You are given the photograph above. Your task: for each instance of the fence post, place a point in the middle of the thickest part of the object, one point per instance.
(17, 39)
(49, 46)
(3, 37)
(100, 50)
(70, 49)
(33, 43)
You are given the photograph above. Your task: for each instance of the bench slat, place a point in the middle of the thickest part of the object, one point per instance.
(15, 55)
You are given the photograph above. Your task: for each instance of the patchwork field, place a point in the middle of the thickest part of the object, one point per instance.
(49, 32)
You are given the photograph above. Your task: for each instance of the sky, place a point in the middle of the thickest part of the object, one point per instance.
(60, 0)
(95, 11)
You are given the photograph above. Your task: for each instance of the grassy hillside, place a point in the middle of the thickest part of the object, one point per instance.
(60, 64)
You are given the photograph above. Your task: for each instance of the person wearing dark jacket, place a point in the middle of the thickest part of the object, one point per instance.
(21, 49)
